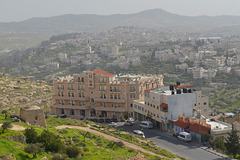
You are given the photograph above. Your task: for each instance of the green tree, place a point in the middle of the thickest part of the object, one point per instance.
(34, 148)
(5, 112)
(6, 125)
(31, 135)
(232, 142)
(50, 141)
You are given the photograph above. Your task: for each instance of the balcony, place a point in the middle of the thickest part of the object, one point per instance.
(111, 109)
(70, 106)
(109, 100)
(71, 98)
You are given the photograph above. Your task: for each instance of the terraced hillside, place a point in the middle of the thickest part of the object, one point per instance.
(227, 98)
(16, 93)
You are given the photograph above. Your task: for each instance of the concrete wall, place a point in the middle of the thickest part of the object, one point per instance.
(181, 104)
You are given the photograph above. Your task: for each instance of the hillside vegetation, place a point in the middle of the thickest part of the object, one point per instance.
(89, 145)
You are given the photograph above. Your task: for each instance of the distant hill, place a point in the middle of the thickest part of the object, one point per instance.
(155, 18)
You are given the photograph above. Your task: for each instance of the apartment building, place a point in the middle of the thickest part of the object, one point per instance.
(163, 105)
(101, 95)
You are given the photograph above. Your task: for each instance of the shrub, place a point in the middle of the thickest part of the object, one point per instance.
(131, 150)
(119, 144)
(81, 144)
(58, 156)
(34, 148)
(73, 151)
(75, 140)
(123, 120)
(31, 135)
(85, 149)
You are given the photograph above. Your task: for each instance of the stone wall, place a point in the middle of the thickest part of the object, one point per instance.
(34, 116)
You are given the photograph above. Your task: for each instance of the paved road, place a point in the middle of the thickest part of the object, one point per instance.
(188, 150)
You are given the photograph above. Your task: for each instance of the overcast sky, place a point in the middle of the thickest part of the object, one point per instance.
(18, 10)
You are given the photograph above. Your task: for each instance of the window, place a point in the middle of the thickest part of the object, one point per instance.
(205, 103)
(119, 105)
(131, 105)
(90, 76)
(101, 104)
(116, 105)
(119, 96)
(36, 117)
(83, 95)
(90, 83)
(82, 112)
(79, 95)
(72, 112)
(102, 88)
(93, 112)
(111, 89)
(81, 87)
(112, 105)
(62, 111)
(72, 94)
(62, 94)
(115, 96)
(132, 89)
(111, 96)
(92, 100)
(69, 94)
(157, 107)
(153, 106)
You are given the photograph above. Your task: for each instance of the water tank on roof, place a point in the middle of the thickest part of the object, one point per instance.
(189, 91)
(185, 90)
(172, 92)
(178, 83)
(171, 88)
(178, 91)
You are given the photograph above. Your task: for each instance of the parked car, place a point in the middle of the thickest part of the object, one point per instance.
(146, 124)
(63, 116)
(184, 136)
(128, 123)
(130, 119)
(138, 132)
(113, 124)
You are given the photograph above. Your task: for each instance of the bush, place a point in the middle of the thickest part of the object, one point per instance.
(85, 149)
(131, 150)
(31, 135)
(75, 140)
(58, 156)
(64, 131)
(81, 144)
(123, 120)
(73, 151)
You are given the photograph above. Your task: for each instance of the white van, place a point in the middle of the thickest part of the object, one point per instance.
(184, 136)
(146, 124)
(138, 132)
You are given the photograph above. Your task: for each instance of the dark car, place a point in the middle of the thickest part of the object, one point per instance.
(63, 116)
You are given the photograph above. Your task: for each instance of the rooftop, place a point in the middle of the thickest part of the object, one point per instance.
(103, 73)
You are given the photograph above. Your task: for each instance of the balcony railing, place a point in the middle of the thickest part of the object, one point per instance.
(70, 98)
(109, 100)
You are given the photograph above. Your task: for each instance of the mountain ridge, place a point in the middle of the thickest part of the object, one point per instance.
(155, 18)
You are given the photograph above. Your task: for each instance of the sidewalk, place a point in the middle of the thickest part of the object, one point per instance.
(196, 143)
(215, 152)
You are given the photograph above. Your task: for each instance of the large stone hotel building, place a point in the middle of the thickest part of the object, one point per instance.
(99, 95)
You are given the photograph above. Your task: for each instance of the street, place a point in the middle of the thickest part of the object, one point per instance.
(189, 150)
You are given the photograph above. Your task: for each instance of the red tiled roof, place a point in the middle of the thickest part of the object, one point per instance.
(163, 105)
(148, 90)
(181, 124)
(103, 73)
(195, 128)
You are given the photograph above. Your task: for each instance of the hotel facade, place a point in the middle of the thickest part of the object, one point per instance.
(99, 95)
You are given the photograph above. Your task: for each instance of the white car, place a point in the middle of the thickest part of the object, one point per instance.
(138, 132)
(113, 124)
